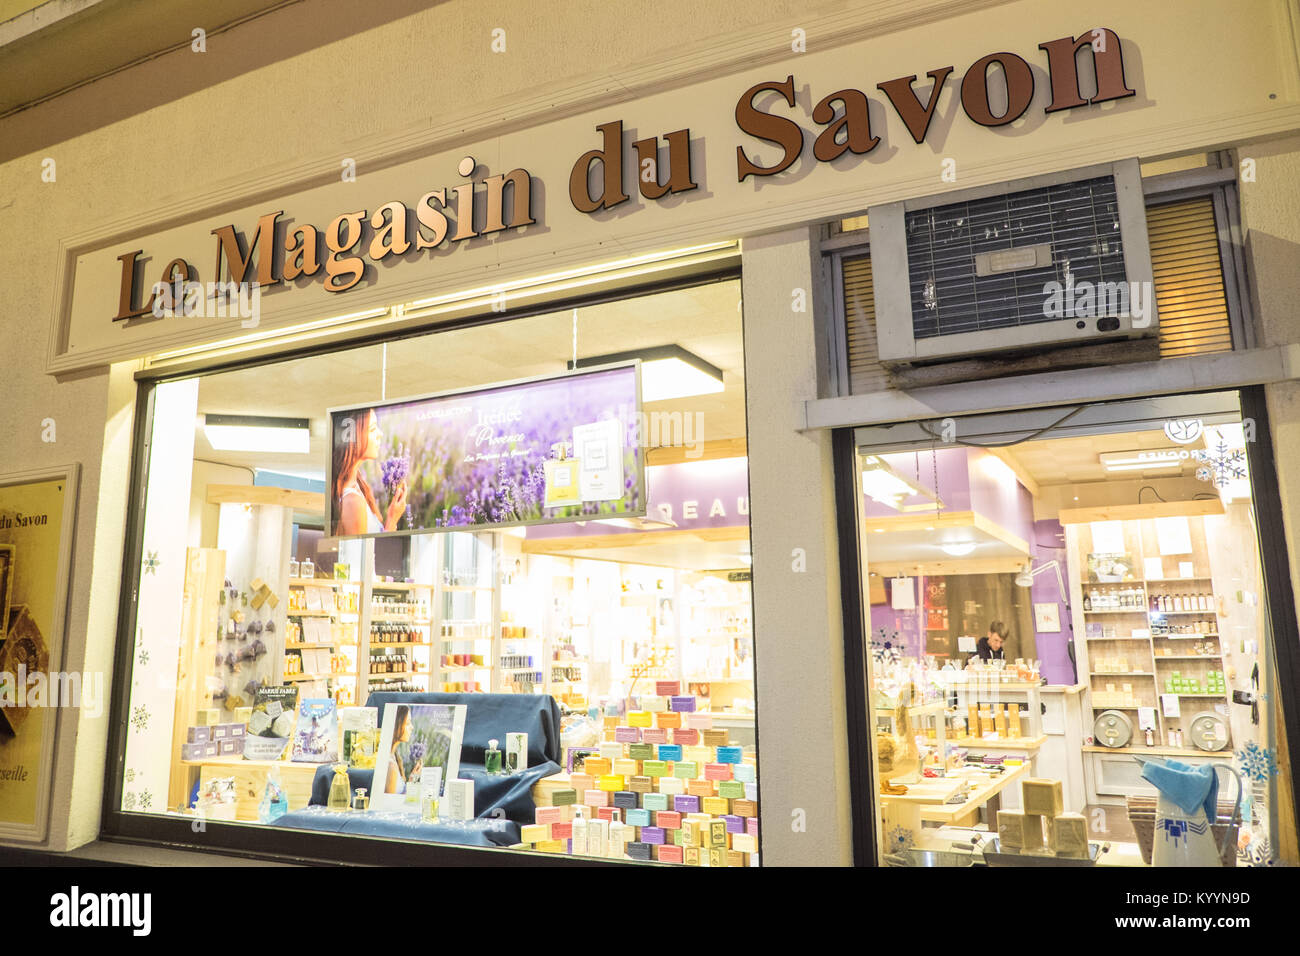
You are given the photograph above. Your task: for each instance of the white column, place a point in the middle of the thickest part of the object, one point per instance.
(799, 651)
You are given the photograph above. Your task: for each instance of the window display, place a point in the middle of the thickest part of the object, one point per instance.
(1066, 630)
(368, 644)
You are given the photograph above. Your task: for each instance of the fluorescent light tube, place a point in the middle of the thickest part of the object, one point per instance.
(256, 433)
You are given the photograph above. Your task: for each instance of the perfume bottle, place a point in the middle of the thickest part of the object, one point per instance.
(492, 758)
(430, 791)
(359, 800)
(561, 474)
(340, 791)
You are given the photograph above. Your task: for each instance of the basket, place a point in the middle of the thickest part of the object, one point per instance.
(1142, 814)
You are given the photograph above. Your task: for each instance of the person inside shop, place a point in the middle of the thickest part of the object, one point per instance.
(990, 648)
(359, 439)
(399, 776)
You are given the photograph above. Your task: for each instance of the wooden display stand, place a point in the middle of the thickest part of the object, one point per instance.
(250, 780)
(205, 574)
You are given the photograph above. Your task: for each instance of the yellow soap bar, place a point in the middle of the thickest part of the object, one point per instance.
(639, 718)
(716, 806)
(551, 846)
(535, 832)
(627, 767)
(744, 842)
(611, 782)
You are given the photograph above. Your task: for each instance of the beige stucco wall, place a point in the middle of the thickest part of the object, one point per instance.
(302, 88)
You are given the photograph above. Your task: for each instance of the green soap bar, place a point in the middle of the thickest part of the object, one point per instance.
(641, 751)
(654, 768)
(564, 798)
(654, 801)
(686, 769)
(731, 789)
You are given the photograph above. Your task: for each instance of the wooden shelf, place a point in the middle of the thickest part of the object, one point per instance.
(1120, 610)
(1187, 657)
(313, 613)
(310, 676)
(313, 501)
(1129, 638)
(394, 619)
(310, 646)
(1000, 743)
(389, 675)
(1159, 751)
(400, 586)
(376, 645)
(1123, 674)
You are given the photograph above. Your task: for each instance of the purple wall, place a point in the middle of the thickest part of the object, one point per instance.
(1056, 666)
(910, 625)
(1006, 503)
(953, 476)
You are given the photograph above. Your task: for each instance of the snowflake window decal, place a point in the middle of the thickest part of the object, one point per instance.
(1221, 464)
(1257, 763)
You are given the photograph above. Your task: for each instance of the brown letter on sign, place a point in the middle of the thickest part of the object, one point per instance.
(916, 116)
(975, 89)
(1063, 67)
(610, 157)
(775, 129)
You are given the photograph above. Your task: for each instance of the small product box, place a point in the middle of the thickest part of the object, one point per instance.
(236, 730)
(199, 751)
(230, 746)
(517, 752)
(459, 799)
(198, 735)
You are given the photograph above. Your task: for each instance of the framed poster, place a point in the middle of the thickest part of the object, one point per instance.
(415, 737)
(557, 449)
(1047, 617)
(37, 520)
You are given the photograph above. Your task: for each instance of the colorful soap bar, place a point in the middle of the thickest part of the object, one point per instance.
(751, 826)
(691, 855)
(626, 799)
(686, 769)
(745, 772)
(613, 751)
(608, 814)
(613, 782)
(561, 831)
(692, 833)
(667, 853)
(639, 851)
(551, 846)
(715, 806)
(734, 823)
(744, 808)
(637, 817)
(1042, 797)
(626, 767)
(686, 735)
(654, 801)
(670, 752)
(640, 784)
(639, 718)
(717, 771)
(731, 789)
(595, 766)
(717, 856)
(751, 791)
(701, 788)
(595, 798)
(654, 703)
(715, 738)
(549, 814)
(627, 735)
(582, 781)
(535, 832)
(654, 768)
(640, 751)
(700, 755)
(699, 721)
(671, 785)
(564, 798)
(735, 858)
(668, 819)
(653, 835)
(668, 719)
(686, 803)
(654, 735)
(728, 754)
(668, 688)
(744, 843)
(717, 835)
(683, 705)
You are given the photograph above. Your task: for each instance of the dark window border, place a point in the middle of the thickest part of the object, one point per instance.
(256, 841)
(1275, 569)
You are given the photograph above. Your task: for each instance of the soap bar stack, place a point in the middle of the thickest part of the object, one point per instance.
(665, 786)
(1042, 827)
(213, 740)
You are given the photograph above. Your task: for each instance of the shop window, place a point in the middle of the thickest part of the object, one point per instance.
(524, 592)
(1064, 630)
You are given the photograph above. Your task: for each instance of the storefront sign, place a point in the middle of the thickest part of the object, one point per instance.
(534, 452)
(36, 524)
(822, 133)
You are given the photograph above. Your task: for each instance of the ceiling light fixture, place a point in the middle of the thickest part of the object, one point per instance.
(882, 484)
(258, 433)
(959, 549)
(1142, 460)
(667, 372)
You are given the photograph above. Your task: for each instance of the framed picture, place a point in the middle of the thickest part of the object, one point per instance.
(576, 758)
(415, 737)
(6, 580)
(1047, 617)
(37, 519)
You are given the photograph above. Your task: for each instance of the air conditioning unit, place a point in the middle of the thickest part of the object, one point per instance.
(1039, 262)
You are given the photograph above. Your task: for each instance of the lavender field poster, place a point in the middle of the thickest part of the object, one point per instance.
(415, 737)
(487, 457)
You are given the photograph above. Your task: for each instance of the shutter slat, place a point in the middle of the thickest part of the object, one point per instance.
(1188, 274)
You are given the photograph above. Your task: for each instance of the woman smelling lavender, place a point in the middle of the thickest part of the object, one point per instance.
(358, 438)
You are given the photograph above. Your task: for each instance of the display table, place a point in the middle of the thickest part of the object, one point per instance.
(929, 799)
(397, 825)
(250, 780)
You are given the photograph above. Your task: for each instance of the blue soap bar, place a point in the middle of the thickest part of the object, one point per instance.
(640, 851)
(654, 801)
(625, 799)
(637, 818)
(730, 754)
(744, 772)
(671, 752)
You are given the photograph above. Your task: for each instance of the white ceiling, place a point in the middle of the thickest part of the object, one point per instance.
(705, 320)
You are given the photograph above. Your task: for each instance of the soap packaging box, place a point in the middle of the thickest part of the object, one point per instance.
(459, 799)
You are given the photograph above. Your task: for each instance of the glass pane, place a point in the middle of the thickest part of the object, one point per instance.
(1064, 630)
(279, 669)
